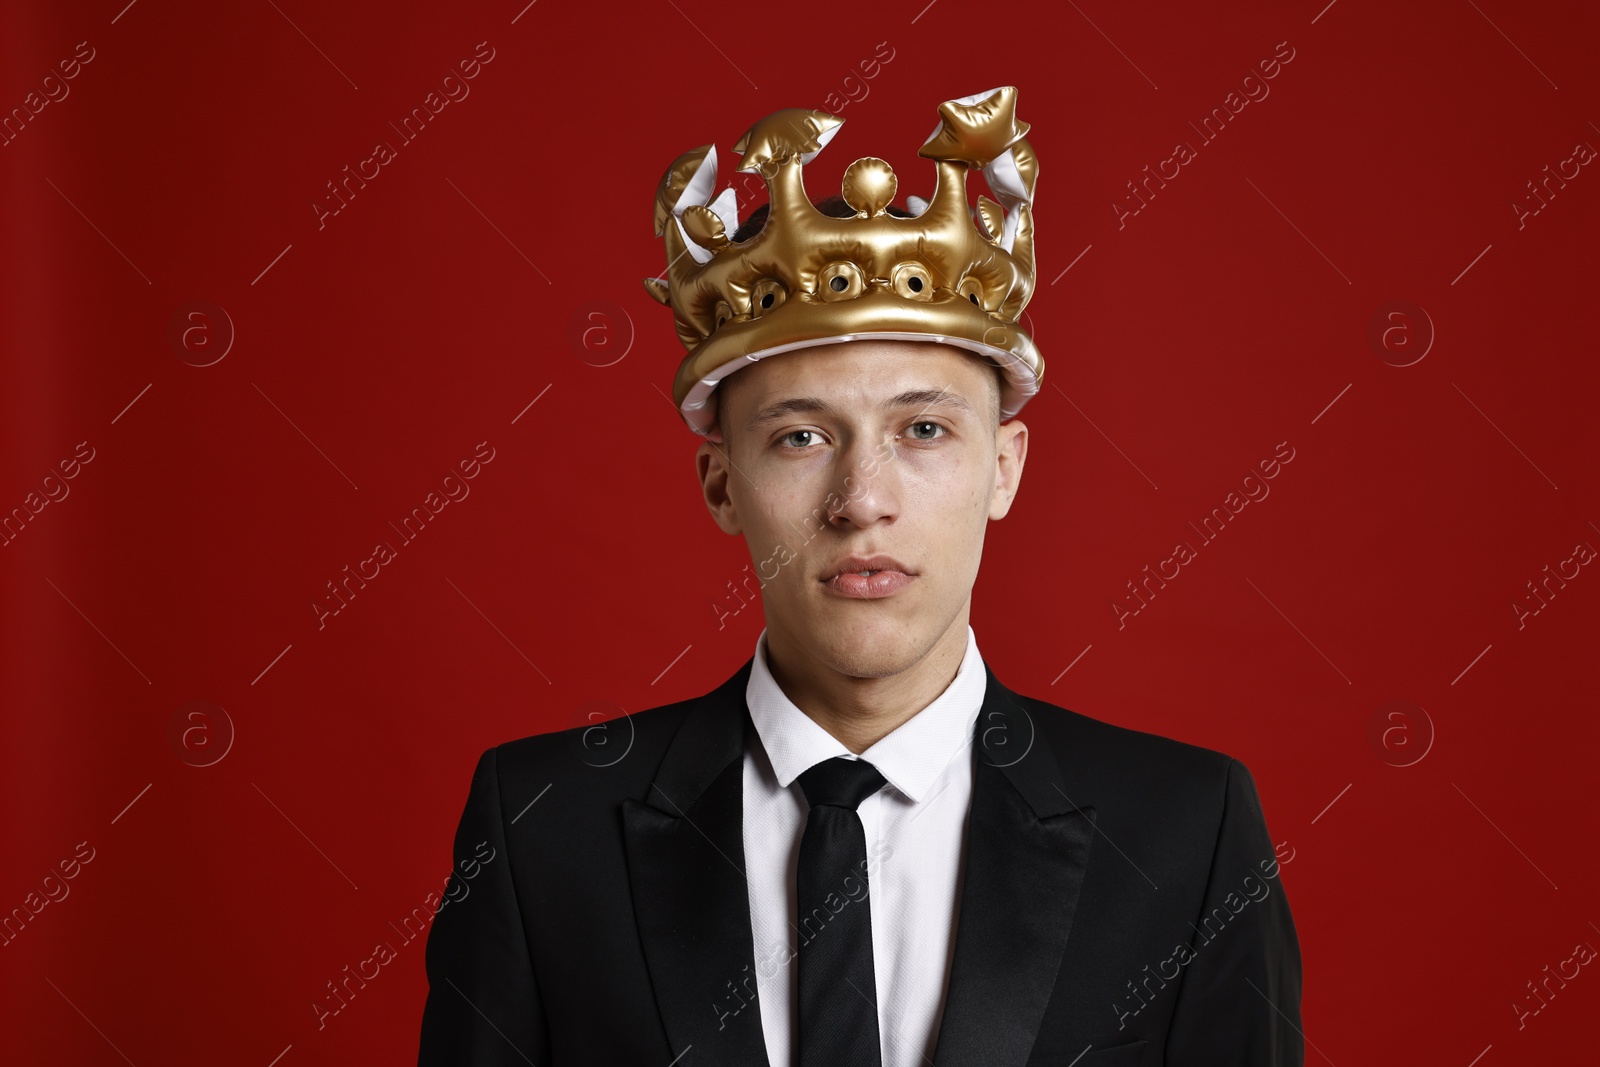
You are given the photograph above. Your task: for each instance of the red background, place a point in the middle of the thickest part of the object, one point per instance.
(373, 354)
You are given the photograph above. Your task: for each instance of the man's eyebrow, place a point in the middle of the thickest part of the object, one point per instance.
(811, 405)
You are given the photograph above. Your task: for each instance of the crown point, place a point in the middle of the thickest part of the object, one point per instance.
(869, 186)
(975, 129)
(658, 290)
(705, 228)
(782, 135)
(679, 176)
(1013, 174)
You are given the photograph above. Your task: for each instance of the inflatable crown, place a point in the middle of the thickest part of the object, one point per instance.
(941, 272)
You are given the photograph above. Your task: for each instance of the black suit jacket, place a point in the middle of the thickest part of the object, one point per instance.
(1120, 902)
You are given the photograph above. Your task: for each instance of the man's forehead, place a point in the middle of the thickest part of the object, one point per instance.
(810, 382)
(867, 370)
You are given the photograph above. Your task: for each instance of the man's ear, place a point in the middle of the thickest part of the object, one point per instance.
(711, 464)
(1010, 454)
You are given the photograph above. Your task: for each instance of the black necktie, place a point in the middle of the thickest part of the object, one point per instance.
(838, 996)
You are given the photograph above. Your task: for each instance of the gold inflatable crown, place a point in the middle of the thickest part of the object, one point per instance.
(941, 272)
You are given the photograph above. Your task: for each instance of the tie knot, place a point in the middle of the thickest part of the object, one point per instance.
(841, 782)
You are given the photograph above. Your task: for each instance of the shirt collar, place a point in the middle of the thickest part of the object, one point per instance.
(911, 758)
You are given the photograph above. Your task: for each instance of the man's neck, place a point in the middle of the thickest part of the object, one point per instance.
(860, 712)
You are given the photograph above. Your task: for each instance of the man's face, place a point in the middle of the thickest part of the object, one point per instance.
(863, 448)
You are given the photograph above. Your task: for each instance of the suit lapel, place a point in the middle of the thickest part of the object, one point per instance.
(1027, 847)
(1027, 850)
(685, 848)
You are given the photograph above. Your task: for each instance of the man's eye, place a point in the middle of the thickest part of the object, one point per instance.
(933, 425)
(789, 437)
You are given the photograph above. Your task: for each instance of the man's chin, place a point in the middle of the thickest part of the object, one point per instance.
(868, 640)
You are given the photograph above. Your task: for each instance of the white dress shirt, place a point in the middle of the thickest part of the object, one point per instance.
(915, 828)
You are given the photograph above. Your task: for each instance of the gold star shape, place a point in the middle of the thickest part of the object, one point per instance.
(976, 133)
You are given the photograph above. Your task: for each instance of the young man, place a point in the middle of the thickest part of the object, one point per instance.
(862, 848)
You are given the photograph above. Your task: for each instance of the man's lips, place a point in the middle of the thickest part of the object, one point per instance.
(856, 564)
(867, 577)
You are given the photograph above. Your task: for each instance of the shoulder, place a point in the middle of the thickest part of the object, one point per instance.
(1128, 748)
(1118, 761)
(593, 754)
(1157, 796)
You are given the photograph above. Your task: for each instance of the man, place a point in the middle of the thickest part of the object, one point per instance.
(861, 848)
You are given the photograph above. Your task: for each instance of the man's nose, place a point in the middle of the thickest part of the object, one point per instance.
(866, 483)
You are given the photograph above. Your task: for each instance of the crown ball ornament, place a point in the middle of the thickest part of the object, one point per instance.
(868, 186)
(941, 271)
